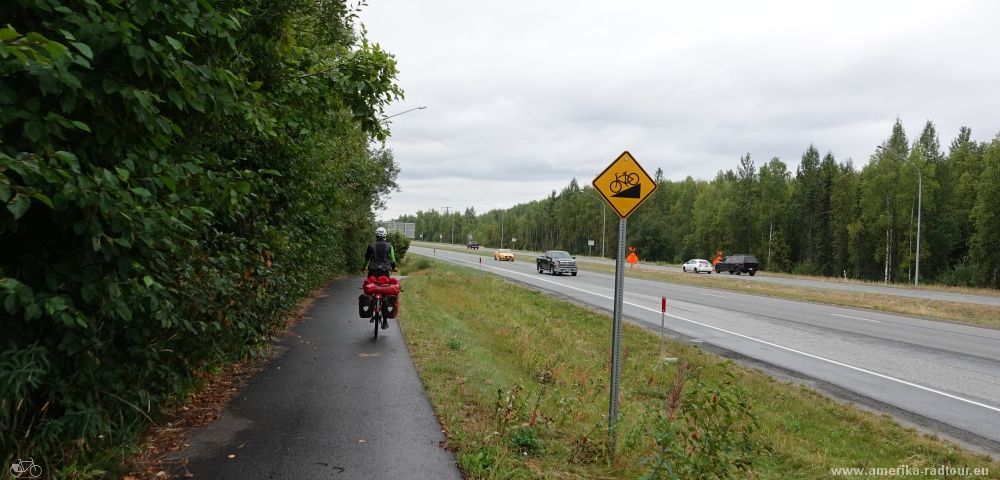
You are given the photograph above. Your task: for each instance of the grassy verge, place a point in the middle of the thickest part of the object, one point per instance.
(520, 383)
(960, 312)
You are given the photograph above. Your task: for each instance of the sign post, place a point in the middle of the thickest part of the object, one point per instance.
(624, 185)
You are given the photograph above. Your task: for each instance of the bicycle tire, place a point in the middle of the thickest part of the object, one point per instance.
(632, 179)
(377, 322)
(619, 184)
(35, 471)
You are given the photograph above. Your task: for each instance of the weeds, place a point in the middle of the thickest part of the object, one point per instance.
(526, 440)
(703, 432)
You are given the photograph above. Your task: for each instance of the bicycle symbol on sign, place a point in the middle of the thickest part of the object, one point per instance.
(25, 469)
(622, 180)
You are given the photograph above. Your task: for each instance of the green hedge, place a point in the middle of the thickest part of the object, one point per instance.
(174, 177)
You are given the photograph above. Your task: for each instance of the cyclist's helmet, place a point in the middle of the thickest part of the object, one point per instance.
(380, 233)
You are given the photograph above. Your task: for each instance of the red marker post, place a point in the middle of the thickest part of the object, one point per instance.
(663, 315)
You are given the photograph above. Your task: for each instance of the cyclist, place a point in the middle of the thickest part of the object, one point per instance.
(381, 257)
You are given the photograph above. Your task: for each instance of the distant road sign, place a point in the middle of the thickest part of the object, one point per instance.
(624, 184)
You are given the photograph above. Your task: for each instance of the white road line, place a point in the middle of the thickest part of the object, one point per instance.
(856, 318)
(765, 342)
(710, 295)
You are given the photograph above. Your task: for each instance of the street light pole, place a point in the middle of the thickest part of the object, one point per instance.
(501, 222)
(447, 211)
(404, 111)
(604, 216)
(920, 195)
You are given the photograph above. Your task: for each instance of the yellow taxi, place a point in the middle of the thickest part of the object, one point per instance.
(503, 255)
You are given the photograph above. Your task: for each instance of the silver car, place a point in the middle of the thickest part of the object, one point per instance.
(697, 265)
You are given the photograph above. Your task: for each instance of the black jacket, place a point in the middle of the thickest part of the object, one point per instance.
(380, 254)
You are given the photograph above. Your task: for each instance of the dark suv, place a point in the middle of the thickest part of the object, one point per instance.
(737, 264)
(557, 262)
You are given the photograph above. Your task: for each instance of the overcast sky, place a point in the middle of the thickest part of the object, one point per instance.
(523, 96)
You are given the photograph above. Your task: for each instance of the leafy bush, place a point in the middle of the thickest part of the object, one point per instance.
(175, 177)
(400, 243)
(961, 275)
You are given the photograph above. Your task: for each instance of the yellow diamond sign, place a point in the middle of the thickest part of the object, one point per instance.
(624, 184)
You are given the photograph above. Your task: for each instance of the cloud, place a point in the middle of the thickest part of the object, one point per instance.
(525, 96)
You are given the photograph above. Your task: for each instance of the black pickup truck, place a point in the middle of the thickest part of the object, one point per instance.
(557, 262)
(737, 264)
(472, 245)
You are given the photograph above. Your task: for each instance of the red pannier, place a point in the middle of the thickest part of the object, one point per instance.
(387, 286)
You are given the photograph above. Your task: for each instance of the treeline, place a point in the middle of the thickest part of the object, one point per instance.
(175, 176)
(828, 217)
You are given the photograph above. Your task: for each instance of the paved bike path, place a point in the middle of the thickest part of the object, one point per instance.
(336, 404)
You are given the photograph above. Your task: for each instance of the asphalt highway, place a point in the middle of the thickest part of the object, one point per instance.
(941, 376)
(766, 277)
(834, 284)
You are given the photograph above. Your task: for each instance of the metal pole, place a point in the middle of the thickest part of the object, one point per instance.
(604, 220)
(501, 228)
(604, 235)
(404, 111)
(617, 335)
(920, 196)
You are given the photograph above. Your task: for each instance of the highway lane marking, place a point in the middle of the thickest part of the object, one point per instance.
(764, 342)
(856, 318)
(710, 295)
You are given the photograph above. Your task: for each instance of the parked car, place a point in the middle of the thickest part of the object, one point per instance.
(557, 262)
(737, 264)
(503, 255)
(697, 265)
(473, 245)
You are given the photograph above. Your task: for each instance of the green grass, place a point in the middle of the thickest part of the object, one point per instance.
(959, 312)
(519, 381)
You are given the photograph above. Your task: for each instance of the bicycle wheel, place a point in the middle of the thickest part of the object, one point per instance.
(378, 320)
(616, 186)
(385, 317)
(632, 179)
